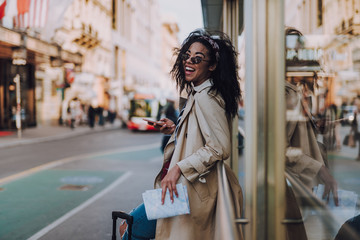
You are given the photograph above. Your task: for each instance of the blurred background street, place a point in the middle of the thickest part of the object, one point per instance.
(74, 183)
(77, 77)
(58, 184)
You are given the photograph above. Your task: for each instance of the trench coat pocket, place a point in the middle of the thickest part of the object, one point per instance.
(202, 190)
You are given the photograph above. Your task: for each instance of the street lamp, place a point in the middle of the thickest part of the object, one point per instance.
(18, 104)
(19, 55)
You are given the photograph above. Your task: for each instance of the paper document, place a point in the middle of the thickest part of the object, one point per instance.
(347, 203)
(154, 209)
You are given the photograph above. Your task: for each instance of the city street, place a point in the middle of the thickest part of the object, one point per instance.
(67, 189)
(344, 166)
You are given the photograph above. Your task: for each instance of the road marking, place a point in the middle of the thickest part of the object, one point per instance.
(156, 159)
(72, 159)
(53, 225)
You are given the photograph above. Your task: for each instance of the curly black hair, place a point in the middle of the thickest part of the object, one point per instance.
(225, 77)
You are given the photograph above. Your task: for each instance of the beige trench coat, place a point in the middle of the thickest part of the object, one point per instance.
(303, 155)
(203, 139)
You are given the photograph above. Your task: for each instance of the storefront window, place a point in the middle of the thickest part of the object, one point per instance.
(323, 119)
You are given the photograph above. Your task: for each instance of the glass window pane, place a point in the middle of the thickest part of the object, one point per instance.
(322, 116)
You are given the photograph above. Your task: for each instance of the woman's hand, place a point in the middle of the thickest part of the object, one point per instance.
(330, 185)
(169, 182)
(168, 127)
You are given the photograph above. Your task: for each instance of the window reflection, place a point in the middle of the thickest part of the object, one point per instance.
(323, 120)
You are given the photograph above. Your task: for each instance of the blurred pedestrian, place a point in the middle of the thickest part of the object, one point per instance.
(92, 113)
(169, 112)
(73, 111)
(332, 138)
(206, 69)
(112, 109)
(100, 114)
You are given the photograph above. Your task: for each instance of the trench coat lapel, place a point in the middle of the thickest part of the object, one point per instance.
(169, 148)
(308, 113)
(304, 105)
(187, 109)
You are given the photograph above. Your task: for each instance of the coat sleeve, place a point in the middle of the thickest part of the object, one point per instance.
(214, 127)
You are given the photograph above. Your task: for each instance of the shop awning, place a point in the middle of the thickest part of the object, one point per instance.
(212, 13)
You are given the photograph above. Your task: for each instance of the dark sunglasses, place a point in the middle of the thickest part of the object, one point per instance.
(194, 60)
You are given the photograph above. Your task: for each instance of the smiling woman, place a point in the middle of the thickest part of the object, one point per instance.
(220, 64)
(196, 68)
(206, 69)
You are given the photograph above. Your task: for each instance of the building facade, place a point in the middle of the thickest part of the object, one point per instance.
(170, 41)
(97, 52)
(38, 64)
(334, 27)
(142, 44)
(86, 29)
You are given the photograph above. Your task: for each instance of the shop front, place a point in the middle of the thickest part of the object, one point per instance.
(11, 65)
(8, 94)
(40, 66)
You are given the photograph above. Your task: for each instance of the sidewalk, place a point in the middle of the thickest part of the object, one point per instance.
(50, 133)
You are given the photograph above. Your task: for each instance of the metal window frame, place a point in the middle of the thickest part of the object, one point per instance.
(265, 118)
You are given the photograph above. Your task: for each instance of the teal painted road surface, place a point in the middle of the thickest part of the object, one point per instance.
(31, 203)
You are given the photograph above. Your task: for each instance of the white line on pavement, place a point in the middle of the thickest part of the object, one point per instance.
(156, 159)
(71, 159)
(47, 229)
